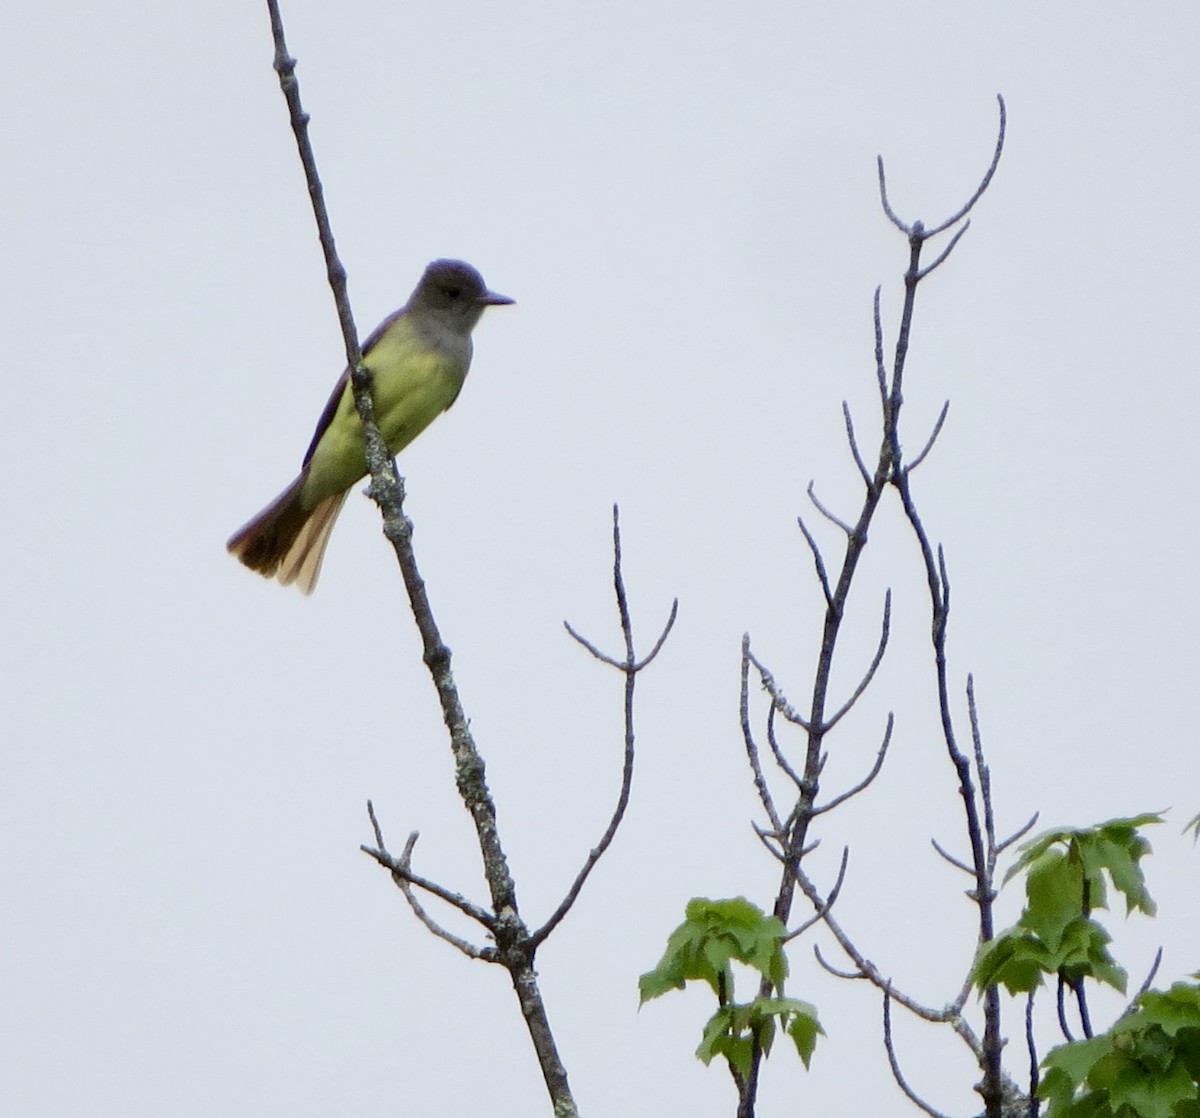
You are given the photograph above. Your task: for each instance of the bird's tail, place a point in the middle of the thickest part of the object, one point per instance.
(286, 541)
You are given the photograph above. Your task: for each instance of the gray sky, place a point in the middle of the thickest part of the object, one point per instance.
(681, 198)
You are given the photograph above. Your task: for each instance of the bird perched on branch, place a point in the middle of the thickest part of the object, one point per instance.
(418, 359)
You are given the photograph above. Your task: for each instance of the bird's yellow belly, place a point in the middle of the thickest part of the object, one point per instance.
(410, 390)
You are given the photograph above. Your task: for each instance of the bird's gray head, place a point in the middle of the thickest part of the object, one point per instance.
(456, 291)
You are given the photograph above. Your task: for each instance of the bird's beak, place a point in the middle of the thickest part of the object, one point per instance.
(491, 299)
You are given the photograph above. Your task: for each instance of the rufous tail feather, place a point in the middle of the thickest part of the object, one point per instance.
(286, 541)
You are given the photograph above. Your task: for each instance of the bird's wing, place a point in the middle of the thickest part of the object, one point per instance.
(335, 397)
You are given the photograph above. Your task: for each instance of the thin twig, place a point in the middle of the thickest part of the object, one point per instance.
(866, 968)
(812, 496)
(880, 368)
(1034, 1062)
(864, 473)
(937, 430)
(829, 902)
(944, 254)
(880, 754)
(865, 682)
(401, 870)
(1085, 1019)
(1145, 986)
(1017, 835)
(777, 752)
(630, 667)
(603, 657)
(769, 839)
(849, 976)
(817, 559)
(405, 882)
(951, 859)
(285, 67)
(1061, 1008)
(662, 637)
(883, 198)
(778, 699)
(760, 781)
(987, 178)
(985, 774)
(910, 1094)
(402, 874)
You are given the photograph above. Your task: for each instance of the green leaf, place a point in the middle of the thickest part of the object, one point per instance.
(1146, 1066)
(722, 1037)
(1015, 959)
(1148, 1094)
(803, 1030)
(1173, 1009)
(1058, 1089)
(1077, 1060)
(655, 983)
(1054, 896)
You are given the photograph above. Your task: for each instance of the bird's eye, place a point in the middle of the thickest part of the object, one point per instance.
(454, 292)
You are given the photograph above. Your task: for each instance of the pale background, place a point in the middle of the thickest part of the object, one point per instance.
(681, 197)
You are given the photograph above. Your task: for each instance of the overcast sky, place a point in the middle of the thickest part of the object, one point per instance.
(681, 198)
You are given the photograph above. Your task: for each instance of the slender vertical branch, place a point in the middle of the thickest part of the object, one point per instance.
(513, 950)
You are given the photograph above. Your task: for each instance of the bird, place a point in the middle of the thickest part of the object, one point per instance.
(418, 358)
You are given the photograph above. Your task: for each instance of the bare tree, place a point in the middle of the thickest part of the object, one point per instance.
(788, 831)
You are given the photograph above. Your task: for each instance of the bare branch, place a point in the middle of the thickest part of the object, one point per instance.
(868, 481)
(880, 368)
(987, 178)
(951, 859)
(866, 969)
(865, 682)
(603, 657)
(830, 901)
(780, 759)
(850, 976)
(1061, 1008)
(1144, 986)
(621, 665)
(768, 838)
(662, 637)
(285, 68)
(883, 198)
(1016, 836)
(630, 667)
(875, 769)
(778, 699)
(402, 874)
(817, 559)
(760, 781)
(941, 259)
(1080, 992)
(937, 430)
(826, 513)
(910, 1094)
(985, 775)
(405, 884)
(1034, 1062)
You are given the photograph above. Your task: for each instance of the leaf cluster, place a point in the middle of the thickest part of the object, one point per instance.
(714, 935)
(1067, 876)
(1146, 1066)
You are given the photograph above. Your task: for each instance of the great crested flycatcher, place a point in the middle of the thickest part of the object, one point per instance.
(418, 358)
